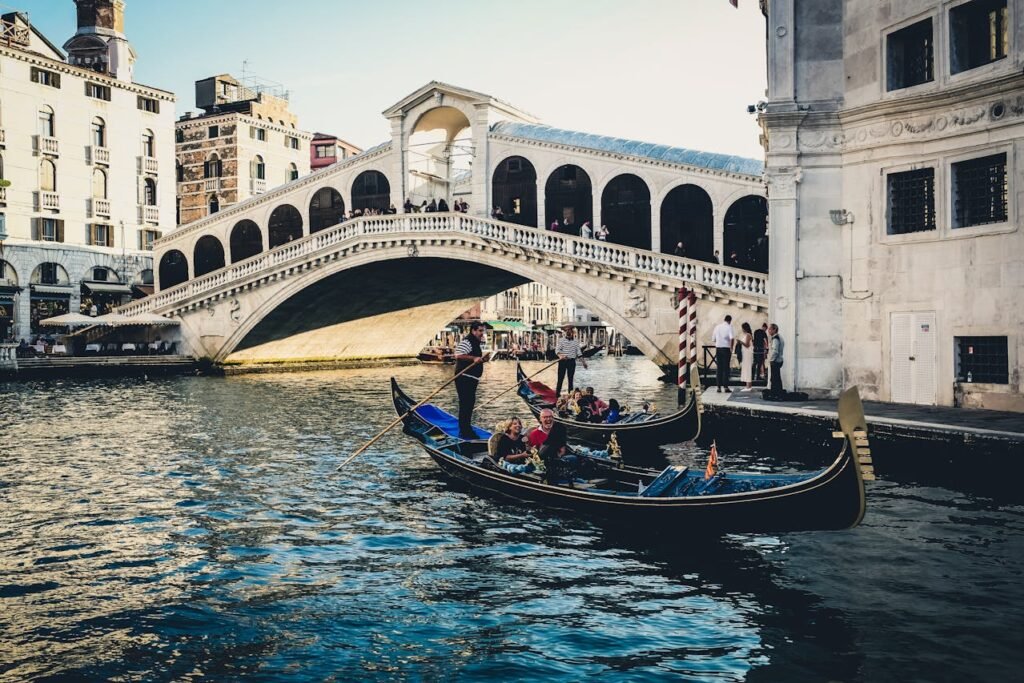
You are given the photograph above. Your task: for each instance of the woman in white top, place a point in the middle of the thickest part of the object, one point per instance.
(746, 340)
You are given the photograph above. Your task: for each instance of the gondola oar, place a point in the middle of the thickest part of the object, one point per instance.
(402, 417)
(518, 383)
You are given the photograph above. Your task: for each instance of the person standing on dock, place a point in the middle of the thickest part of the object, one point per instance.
(469, 354)
(568, 350)
(776, 346)
(723, 340)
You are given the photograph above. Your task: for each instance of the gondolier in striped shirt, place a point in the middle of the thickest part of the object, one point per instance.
(468, 354)
(568, 350)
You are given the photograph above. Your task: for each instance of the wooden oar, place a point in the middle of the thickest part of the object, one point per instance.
(520, 382)
(401, 417)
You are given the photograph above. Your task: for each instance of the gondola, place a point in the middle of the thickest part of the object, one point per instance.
(636, 432)
(827, 499)
(591, 351)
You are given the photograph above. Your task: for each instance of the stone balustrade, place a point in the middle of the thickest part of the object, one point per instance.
(100, 155)
(48, 201)
(100, 207)
(8, 356)
(48, 145)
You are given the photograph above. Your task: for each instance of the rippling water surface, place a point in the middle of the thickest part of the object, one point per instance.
(195, 529)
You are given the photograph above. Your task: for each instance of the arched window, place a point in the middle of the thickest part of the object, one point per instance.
(258, 169)
(687, 216)
(514, 190)
(99, 132)
(212, 167)
(99, 184)
(214, 204)
(149, 191)
(208, 255)
(50, 274)
(173, 269)
(568, 197)
(292, 173)
(148, 144)
(285, 225)
(47, 122)
(745, 238)
(626, 211)
(47, 176)
(246, 240)
(327, 208)
(371, 190)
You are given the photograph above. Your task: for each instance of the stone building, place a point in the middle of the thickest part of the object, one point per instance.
(893, 135)
(326, 149)
(87, 159)
(245, 141)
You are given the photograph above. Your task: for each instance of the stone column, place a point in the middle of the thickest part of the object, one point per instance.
(541, 206)
(656, 224)
(480, 201)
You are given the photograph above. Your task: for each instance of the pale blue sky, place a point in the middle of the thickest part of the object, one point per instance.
(677, 72)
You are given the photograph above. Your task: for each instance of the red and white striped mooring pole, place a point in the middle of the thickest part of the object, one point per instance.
(687, 303)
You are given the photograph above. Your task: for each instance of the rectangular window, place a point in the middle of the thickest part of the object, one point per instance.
(149, 104)
(257, 133)
(48, 274)
(291, 141)
(911, 201)
(50, 230)
(100, 235)
(146, 239)
(910, 56)
(979, 191)
(44, 77)
(325, 152)
(100, 92)
(979, 34)
(982, 359)
(179, 136)
(214, 131)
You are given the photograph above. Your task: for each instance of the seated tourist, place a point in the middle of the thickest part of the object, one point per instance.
(587, 404)
(512, 444)
(613, 415)
(551, 439)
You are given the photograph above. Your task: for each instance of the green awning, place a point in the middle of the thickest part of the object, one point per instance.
(507, 326)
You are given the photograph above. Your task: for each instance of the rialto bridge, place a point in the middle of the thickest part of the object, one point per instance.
(281, 277)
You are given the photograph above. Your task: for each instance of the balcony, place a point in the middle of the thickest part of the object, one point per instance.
(47, 145)
(259, 186)
(150, 214)
(148, 165)
(47, 201)
(211, 185)
(100, 208)
(99, 155)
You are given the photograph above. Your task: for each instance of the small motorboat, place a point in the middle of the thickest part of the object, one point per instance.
(437, 354)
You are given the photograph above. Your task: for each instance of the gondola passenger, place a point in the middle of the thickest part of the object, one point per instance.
(512, 446)
(614, 414)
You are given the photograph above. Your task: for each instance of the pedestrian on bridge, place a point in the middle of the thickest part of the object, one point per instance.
(568, 350)
(723, 340)
(586, 232)
(468, 354)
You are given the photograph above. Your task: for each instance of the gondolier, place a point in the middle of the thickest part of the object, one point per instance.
(568, 350)
(468, 353)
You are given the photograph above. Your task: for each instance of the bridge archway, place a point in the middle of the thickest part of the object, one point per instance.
(246, 240)
(568, 196)
(746, 228)
(626, 211)
(285, 225)
(371, 190)
(514, 189)
(173, 269)
(326, 209)
(687, 216)
(208, 255)
(438, 148)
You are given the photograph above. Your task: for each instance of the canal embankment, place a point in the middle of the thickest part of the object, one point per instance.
(66, 367)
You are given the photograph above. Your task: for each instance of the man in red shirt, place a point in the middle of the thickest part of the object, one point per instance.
(550, 440)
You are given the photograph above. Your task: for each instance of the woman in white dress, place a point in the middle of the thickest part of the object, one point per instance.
(746, 340)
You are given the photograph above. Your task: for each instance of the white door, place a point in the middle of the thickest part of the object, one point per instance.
(912, 337)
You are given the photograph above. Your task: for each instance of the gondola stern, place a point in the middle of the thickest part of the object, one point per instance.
(854, 428)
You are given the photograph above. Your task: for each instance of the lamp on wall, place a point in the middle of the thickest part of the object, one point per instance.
(840, 216)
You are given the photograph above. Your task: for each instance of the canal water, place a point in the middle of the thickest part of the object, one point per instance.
(195, 529)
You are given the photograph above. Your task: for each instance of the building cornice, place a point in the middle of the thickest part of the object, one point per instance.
(212, 119)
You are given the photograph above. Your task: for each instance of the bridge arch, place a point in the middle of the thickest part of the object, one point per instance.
(285, 225)
(371, 190)
(687, 216)
(626, 211)
(208, 255)
(173, 269)
(514, 189)
(246, 240)
(568, 195)
(437, 146)
(746, 233)
(326, 209)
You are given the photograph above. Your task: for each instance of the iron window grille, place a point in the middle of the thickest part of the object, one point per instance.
(911, 201)
(980, 191)
(979, 34)
(910, 56)
(982, 359)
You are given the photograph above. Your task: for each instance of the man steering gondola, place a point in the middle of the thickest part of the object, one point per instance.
(469, 354)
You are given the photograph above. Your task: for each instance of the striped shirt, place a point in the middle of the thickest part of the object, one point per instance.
(463, 348)
(570, 348)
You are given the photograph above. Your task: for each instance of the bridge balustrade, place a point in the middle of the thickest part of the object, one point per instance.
(595, 251)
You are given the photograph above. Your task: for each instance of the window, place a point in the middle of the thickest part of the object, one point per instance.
(291, 141)
(291, 173)
(982, 359)
(911, 201)
(910, 57)
(149, 192)
(148, 144)
(100, 235)
(325, 151)
(257, 133)
(212, 167)
(44, 77)
(99, 184)
(213, 132)
(100, 274)
(979, 34)
(149, 104)
(49, 274)
(179, 136)
(259, 169)
(49, 230)
(47, 176)
(47, 127)
(146, 239)
(979, 191)
(99, 132)
(214, 204)
(100, 92)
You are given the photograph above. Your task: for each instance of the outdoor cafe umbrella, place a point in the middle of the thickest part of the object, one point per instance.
(112, 320)
(149, 319)
(69, 320)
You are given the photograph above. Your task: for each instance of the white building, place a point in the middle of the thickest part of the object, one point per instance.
(893, 134)
(89, 156)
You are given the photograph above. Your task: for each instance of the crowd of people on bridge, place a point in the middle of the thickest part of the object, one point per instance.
(435, 205)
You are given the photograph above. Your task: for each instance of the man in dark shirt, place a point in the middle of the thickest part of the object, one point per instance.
(468, 354)
(760, 349)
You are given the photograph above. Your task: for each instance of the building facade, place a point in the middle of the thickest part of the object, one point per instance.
(326, 149)
(86, 156)
(893, 134)
(245, 141)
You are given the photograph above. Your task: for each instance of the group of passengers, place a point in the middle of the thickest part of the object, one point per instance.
(548, 440)
(583, 406)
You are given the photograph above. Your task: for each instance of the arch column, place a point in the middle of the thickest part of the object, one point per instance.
(480, 203)
(656, 223)
(596, 192)
(719, 233)
(542, 223)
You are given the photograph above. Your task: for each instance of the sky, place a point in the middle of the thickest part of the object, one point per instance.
(676, 72)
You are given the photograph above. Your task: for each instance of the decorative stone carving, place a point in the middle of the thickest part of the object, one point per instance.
(235, 311)
(413, 251)
(636, 302)
(782, 183)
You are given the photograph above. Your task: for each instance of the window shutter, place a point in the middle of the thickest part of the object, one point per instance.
(36, 228)
(60, 231)
(88, 234)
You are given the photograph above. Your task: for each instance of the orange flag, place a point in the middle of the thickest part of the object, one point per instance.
(712, 468)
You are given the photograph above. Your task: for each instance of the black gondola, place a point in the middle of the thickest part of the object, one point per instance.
(831, 498)
(636, 432)
(591, 351)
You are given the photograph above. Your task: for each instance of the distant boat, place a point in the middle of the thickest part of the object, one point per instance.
(683, 502)
(437, 354)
